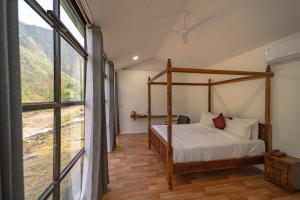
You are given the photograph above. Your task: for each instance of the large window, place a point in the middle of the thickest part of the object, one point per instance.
(53, 63)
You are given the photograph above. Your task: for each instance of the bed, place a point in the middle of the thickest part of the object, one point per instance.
(196, 148)
(198, 142)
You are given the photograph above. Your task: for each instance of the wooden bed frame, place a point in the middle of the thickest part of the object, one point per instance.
(164, 148)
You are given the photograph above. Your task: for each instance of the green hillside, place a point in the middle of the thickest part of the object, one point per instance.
(37, 69)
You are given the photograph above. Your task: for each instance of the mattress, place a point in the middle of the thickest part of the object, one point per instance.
(197, 142)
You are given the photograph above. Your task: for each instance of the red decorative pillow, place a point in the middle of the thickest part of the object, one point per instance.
(219, 121)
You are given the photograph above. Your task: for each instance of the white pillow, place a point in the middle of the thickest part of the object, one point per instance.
(254, 126)
(238, 128)
(207, 119)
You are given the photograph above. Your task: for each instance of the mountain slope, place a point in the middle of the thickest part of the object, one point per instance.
(37, 68)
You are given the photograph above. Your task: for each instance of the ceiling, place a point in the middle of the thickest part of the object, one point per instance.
(135, 27)
(144, 28)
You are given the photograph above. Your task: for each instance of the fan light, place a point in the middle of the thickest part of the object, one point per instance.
(135, 58)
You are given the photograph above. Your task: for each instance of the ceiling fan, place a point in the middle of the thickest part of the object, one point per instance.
(184, 32)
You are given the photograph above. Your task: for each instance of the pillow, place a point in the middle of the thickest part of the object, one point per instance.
(254, 126)
(219, 121)
(207, 119)
(238, 128)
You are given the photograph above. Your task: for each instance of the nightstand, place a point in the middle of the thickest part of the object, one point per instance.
(283, 171)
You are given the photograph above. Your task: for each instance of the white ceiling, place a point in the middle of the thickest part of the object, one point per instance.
(135, 27)
(143, 28)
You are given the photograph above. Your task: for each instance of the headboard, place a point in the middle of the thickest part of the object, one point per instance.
(265, 133)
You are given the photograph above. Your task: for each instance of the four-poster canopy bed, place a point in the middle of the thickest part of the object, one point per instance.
(163, 145)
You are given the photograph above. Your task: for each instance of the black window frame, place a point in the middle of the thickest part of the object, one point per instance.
(59, 31)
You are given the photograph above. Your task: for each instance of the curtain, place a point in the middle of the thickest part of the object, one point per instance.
(95, 171)
(11, 163)
(107, 103)
(116, 105)
(110, 105)
(107, 107)
(0, 182)
(112, 132)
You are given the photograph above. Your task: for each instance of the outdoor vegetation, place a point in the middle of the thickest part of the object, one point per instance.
(37, 68)
(37, 74)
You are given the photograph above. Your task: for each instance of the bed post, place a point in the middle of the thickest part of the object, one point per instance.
(268, 109)
(169, 122)
(149, 113)
(209, 95)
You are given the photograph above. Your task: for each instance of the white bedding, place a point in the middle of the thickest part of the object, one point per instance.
(197, 142)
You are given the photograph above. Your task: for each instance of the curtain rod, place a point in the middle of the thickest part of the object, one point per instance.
(91, 23)
(106, 57)
(89, 19)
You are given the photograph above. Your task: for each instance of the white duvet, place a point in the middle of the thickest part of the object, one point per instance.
(197, 142)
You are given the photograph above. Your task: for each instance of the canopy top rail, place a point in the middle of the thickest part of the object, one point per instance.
(249, 75)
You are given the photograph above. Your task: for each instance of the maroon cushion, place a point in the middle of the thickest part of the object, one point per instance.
(219, 121)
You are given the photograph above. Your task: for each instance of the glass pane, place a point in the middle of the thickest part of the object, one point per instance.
(36, 56)
(50, 197)
(72, 21)
(72, 133)
(70, 187)
(72, 73)
(37, 152)
(46, 4)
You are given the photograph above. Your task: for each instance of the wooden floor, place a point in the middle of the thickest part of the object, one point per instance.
(136, 174)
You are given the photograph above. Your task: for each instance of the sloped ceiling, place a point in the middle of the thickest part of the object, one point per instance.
(135, 27)
(239, 26)
(144, 28)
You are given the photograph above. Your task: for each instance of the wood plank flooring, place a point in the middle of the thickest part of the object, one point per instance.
(136, 174)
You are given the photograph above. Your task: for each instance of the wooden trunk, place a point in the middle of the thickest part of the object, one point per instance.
(283, 171)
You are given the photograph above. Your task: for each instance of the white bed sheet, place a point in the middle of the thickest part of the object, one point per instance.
(197, 142)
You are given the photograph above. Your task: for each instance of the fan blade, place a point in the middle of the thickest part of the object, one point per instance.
(175, 14)
(196, 25)
(184, 38)
(175, 31)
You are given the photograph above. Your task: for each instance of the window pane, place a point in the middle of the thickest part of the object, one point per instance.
(46, 4)
(70, 187)
(72, 21)
(72, 133)
(36, 56)
(72, 73)
(37, 152)
(50, 197)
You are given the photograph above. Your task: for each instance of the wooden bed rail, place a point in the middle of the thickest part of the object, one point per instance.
(215, 71)
(180, 83)
(247, 78)
(169, 126)
(157, 76)
(209, 95)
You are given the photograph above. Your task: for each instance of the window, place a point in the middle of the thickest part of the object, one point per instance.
(46, 4)
(72, 133)
(72, 73)
(38, 151)
(53, 87)
(72, 21)
(36, 49)
(70, 186)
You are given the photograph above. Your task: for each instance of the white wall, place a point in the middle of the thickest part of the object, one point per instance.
(246, 99)
(133, 91)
